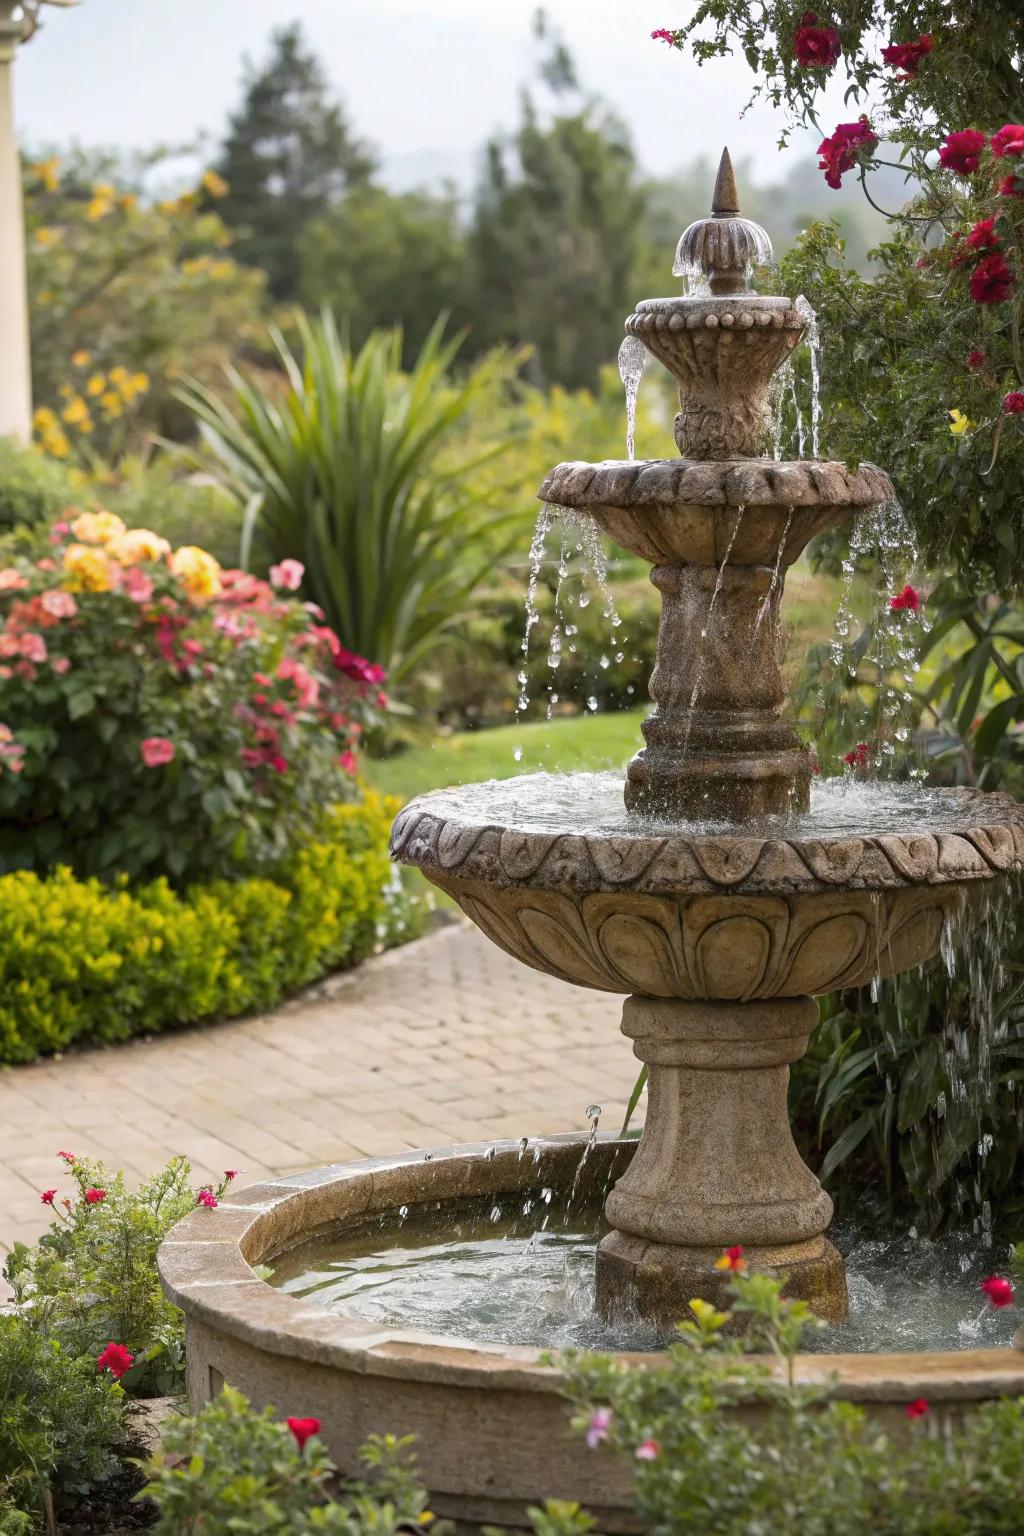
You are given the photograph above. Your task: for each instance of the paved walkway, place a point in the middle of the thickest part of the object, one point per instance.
(445, 1040)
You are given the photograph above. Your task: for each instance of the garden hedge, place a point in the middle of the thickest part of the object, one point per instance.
(83, 961)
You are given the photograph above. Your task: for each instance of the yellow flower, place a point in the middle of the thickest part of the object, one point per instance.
(76, 411)
(102, 201)
(96, 385)
(111, 403)
(214, 184)
(198, 572)
(195, 265)
(46, 236)
(959, 423)
(138, 544)
(221, 269)
(81, 358)
(86, 426)
(97, 527)
(87, 569)
(132, 385)
(118, 374)
(43, 417)
(126, 202)
(47, 172)
(707, 1315)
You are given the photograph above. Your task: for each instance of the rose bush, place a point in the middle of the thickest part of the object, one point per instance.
(162, 716)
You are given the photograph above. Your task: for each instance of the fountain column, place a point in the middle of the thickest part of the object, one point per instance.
(717, 1164)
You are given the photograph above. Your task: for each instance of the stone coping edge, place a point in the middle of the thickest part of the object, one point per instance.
(205, 1266)
(676, 483)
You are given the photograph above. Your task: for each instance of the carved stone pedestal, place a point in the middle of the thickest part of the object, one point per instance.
(717, 1164)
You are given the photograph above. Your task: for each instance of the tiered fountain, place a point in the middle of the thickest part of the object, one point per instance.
(717, 887)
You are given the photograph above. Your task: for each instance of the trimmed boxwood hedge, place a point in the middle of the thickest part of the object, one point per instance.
(83, 961)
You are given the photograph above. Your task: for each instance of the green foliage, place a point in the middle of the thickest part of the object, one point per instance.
(92, 1277)
(84, 961)
(33, 489)
(231, 1471)
(800, 1462)
(251, 701)
(348, 475)
(288, 156)
(61, 1423)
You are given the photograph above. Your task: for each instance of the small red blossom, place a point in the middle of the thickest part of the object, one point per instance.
(648, 1450)
(998, 1291)
(1013, 403)
(815, 47)
(232, 1173)
(68, 1157)
(94, 1196)
(347, 763)
(156, 751)
(906, 57)
(859, 757)
(917, 1409)
(732, 1259)
(303, 1429)
(976, 359)
(1011, 186)
(909, 600)
(983, 236)
(992, 280)
(962, 151)
(48, 1196)
(207, 1198)
(116, 1359)
(1009, 140)
(842, 150)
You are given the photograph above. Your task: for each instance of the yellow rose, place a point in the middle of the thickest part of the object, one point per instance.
(87, 569)
(214, 184)
(97, 527)
(81, 359)
(137, 544)
(198, 572)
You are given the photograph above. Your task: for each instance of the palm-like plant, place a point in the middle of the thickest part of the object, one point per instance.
(349, 474)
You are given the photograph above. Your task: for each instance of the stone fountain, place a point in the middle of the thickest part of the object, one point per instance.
(717, 900)
(720, 889)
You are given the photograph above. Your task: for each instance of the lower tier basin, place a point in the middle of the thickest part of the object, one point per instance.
(490, 1421)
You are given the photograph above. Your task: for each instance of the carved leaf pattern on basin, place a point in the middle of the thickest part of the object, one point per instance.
(711, 947)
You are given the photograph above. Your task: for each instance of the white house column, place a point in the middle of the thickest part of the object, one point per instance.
(15, 377)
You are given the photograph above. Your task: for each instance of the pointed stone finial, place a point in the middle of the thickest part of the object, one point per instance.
(726, 199)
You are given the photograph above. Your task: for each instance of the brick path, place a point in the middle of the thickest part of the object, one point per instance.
(445, 1040)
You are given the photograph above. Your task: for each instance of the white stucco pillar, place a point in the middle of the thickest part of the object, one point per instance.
(15, 376)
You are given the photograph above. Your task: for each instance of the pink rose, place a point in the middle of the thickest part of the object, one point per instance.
(137, 584)
(288, 575)
(156, 751)
(33, 647)
(58, 604)
(12, 580)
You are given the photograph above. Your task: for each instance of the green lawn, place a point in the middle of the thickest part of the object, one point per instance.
(579, 742)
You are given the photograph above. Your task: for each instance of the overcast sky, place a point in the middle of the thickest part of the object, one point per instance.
(426, 81)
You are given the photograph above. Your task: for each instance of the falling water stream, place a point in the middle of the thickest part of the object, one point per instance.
(632, 359)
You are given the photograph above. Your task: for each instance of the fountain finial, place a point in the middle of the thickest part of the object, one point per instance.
(726, 199)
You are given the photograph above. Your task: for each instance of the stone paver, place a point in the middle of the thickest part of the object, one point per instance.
(445, 1040)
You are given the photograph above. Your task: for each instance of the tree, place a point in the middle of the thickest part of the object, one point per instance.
(289, 156)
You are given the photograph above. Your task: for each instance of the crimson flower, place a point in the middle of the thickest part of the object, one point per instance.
(232, 1173)
(991, 280)
(906, 57)
(815, 47)
(858, 758)
(303, 1429)
(1013, 403)
(908, 599)
(732, 1259)
(648, 1450)
(116, 1359)
(840, 152)
(983, 236)
(69, 1157)
(962, 151)
(48, 1196)
(208, 1198)
(998, 1291)
(156, 751)
(1011, 186)
(917, 1409)
(94, 1196)
(674, 38)
(1009, 140)
(976, 359)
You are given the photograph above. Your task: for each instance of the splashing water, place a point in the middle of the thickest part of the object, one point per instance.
(766, 601)
(555, 643)
(759, 254)
(813, 341)
(801, 441)
(632, 358)
(780, 383)
(702, 662)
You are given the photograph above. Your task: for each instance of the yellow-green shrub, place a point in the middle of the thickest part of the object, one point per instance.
(83, 961)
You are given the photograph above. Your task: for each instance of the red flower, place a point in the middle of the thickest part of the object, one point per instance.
(962, 151)
(998, 1291)
(232, 1173)
(208, 1198)
(1011, 186)
(975, 359)
(732, 1259)
(907, 57)
(907, 599)
(94, 1196)
(115, 1359)
(156, 751)
(1013, 403)
(983, 237)
(303, 1429)
(48, 1196)
(69, 1157)
(859, 757)
(815, 47)
(841, 152)
(991, 280)
(348, 764)
(648, 1450)
(917, 1409)
(1009, 140)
